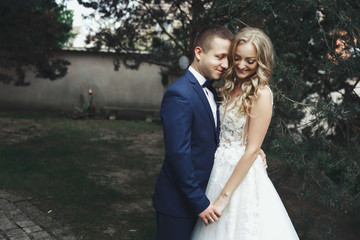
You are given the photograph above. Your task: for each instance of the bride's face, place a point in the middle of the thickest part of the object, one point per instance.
(245, 60)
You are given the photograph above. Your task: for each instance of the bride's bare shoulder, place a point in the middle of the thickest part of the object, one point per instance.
(265, 92)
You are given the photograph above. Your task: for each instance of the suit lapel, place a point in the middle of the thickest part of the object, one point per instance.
(200, 92)
(217, 119)
(217, 114)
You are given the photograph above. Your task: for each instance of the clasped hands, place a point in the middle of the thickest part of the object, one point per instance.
(213, 212)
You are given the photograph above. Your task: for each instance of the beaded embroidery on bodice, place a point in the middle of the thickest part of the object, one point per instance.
(232, 126)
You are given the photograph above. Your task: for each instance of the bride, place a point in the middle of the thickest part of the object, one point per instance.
(239, 185)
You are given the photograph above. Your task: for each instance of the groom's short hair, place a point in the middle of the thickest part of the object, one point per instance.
(209, 32)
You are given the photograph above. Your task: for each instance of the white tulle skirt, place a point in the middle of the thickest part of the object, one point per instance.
(255, 211)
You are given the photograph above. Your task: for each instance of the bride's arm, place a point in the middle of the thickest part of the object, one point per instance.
(258, 126)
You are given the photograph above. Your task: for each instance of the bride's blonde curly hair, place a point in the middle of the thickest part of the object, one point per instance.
(265, 60)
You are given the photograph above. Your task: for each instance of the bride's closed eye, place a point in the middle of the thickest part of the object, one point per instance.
(236, 59)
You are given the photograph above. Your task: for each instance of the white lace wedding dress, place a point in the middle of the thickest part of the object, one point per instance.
(255, 210)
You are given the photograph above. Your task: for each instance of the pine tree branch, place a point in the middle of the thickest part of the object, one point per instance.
(162, 27)
(286, 127)
(182, 11)
(291, 100)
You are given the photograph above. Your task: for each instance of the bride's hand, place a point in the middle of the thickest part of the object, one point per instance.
(221, 202)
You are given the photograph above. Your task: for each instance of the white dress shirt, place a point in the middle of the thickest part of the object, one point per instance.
(209, 95)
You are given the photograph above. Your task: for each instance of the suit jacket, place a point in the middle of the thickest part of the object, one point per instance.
(191, 139)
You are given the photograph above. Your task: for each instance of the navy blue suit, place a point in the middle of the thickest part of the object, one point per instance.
(191, 139)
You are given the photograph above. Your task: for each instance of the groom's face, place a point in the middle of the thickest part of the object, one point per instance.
(213, 61)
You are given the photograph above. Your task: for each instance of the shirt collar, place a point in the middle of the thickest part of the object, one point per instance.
(200, 78)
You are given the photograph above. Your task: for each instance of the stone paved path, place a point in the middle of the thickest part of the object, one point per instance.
(19, 220)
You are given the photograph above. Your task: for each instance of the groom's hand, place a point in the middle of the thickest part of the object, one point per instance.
(209, 215)
(263, 156)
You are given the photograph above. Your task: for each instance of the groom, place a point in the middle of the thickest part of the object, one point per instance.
(190, 119)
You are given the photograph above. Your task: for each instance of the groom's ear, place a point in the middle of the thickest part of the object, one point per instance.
(198, 52)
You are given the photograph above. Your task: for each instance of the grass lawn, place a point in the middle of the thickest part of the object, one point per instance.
(96, 176)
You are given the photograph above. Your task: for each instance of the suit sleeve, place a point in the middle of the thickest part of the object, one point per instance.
(177, 113)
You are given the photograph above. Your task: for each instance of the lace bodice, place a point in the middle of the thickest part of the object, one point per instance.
(232, 126)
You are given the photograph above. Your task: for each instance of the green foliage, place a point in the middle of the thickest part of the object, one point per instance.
(82, 109)
(85, 106)
(163, 29)
(29, 31)
(66, 16)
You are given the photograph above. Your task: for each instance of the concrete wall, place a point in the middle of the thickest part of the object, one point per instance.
(140, 88)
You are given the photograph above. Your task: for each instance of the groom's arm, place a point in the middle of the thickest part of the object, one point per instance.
(176, 114)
